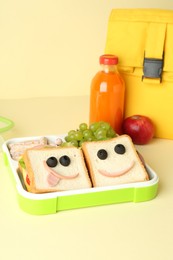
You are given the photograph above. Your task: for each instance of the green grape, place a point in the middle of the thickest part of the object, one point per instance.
(78, 136)
(71, 132)
(87, 134)
(83, 127)
(66, 144)
(100, 134)
(74, 143)
(91, 138)
(71, 137)
(96, 131)
(111, 133)
(67, 139)
(94, 126)
(105, 125)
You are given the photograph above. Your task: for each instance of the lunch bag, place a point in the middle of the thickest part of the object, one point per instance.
(143, 41)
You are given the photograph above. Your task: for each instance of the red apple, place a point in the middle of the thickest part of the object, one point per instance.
(140, 128)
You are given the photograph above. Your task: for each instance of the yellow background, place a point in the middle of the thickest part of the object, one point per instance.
(51, 47)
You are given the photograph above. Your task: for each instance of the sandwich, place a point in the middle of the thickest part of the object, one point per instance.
(114, 161)
(18, 148)
(50, 169)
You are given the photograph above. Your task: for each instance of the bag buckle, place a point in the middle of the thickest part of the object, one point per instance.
(152, 68)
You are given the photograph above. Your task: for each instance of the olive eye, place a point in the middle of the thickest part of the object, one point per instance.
(102, 154)
(64, 160)
(52, 161)
(120, 149)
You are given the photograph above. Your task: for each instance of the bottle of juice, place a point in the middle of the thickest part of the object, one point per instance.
(107, 94)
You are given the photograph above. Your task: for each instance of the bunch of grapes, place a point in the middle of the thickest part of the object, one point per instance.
(94, 132)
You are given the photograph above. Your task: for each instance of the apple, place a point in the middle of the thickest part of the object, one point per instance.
(139, 127)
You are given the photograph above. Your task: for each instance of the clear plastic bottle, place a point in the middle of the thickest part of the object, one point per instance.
(107, 94)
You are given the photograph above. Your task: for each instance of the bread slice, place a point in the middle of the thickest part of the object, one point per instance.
(51, 169)
(113, 162)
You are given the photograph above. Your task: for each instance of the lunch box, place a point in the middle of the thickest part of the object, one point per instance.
(53, 202)
(5, 126)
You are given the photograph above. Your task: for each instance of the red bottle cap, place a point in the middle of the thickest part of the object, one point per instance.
(108, 59)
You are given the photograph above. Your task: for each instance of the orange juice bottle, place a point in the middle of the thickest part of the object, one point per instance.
(107, 94)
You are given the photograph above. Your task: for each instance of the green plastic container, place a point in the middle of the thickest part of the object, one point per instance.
(49, 203)
(7, 124)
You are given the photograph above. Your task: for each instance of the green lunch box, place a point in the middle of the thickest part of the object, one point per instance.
(53, 202)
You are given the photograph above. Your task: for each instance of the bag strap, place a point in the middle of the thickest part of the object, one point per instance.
(155, 40)
(154, 53)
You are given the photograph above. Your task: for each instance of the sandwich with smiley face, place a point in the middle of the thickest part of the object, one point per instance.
(98, 164)
(50, 169)
(113, 162)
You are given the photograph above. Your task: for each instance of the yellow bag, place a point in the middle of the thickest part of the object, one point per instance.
(143, 41)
